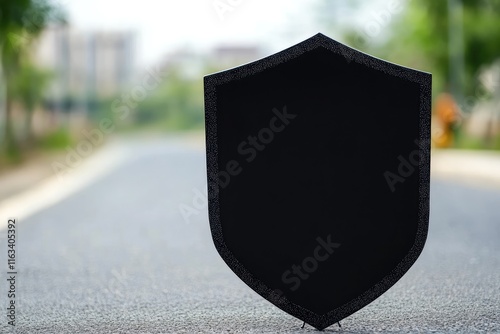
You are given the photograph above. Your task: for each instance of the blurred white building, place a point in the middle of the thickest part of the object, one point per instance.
(87, 65)
(232, 55)
(192, 64)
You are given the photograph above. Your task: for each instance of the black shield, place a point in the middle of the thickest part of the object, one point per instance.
(318, 175)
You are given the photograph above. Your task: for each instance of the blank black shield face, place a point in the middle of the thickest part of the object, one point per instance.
(318, 174)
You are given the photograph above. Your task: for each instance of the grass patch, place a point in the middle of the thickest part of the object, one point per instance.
(56, 140)
(464, 141)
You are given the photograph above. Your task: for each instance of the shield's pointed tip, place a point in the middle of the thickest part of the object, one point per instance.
(320, 327)
(321, 35)
(323, 39)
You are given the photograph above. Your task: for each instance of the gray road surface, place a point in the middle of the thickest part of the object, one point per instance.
(118, 257)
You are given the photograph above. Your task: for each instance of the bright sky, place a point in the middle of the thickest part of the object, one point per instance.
(165, 25)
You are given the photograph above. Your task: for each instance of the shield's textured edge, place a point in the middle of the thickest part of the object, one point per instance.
(423, 79)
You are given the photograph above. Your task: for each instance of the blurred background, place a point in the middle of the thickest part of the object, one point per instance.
(68, 65)
(102, 156)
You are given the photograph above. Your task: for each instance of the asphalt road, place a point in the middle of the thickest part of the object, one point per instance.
(118, 257)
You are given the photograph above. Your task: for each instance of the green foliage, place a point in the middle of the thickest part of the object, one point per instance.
(56, 140)
(453, 39)
(177, 104)
(20, 22)
(466, 141)
(419, 38)
(29, 85)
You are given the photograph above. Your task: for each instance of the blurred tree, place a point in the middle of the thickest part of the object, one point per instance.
(177, 104)
(20, 22)
(452, 39)
(431, 35)
(28, 87)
